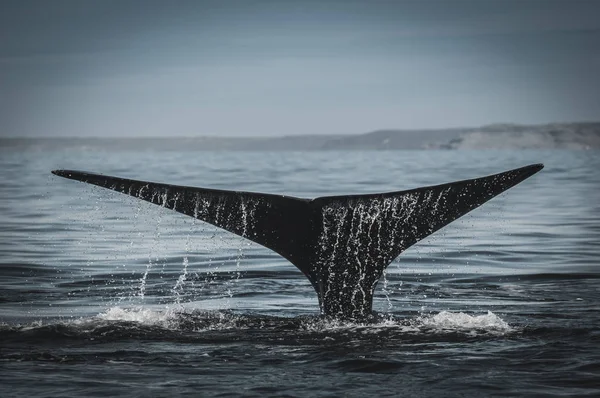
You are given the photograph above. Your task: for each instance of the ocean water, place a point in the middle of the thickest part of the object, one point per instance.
(104, 295)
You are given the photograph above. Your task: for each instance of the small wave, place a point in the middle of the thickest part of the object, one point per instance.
(181, 324)
(182, 319)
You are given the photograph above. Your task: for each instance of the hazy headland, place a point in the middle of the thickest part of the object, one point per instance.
(495, 136)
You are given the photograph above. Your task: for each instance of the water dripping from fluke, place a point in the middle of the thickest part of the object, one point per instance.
(342, 244)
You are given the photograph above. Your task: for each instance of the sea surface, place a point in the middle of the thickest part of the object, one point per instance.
(105, 295)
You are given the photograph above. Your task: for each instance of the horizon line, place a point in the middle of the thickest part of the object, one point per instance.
(400, 130)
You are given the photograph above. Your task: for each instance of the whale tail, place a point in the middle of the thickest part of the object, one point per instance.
(341, 243)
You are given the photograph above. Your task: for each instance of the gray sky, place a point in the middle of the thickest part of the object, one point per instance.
(233, 68)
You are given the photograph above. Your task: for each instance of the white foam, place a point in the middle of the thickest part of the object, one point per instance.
(144, 316)
(461, 322)
(442, 322)
(170, 318)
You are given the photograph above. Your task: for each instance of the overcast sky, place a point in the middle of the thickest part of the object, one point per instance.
(234, 68)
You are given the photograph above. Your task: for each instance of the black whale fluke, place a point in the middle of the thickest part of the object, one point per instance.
(341, 243)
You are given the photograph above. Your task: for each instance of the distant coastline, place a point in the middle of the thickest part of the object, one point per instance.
(497, 136)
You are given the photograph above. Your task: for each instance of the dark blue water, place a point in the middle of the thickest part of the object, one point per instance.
(104, 295)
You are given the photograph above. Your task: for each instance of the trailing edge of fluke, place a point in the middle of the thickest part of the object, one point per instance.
(341, 243)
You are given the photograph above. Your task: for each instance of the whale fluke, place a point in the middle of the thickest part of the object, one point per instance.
(341, 243)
